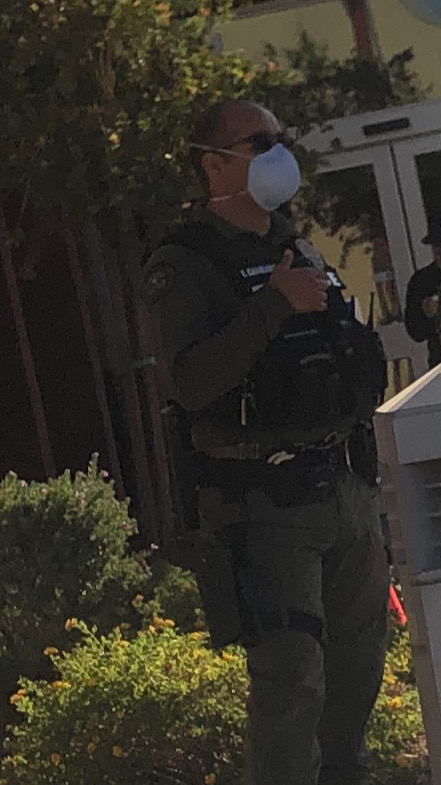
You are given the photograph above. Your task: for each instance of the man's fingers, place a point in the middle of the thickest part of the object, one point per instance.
(322, 280)
(304, 287)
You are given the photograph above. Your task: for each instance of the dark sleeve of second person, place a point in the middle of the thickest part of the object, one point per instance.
(200, 363)
(419, 327)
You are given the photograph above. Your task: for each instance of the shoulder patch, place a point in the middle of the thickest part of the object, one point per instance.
(310, 253)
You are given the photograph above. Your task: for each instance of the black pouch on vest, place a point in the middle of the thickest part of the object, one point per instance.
(362, 367)
(296, 381)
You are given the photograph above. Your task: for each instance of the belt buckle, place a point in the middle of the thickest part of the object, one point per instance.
(330, 440)
(281, 456)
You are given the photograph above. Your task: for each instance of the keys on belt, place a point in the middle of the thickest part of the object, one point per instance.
(247, 402)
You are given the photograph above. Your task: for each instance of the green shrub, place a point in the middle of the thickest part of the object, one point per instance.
(164, 708)
(64, 554)
(396, 733)
(159, 709)
(176, 596)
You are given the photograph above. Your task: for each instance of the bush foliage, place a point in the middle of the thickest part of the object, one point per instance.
(396, 733)
(65, 553)
(164, 708)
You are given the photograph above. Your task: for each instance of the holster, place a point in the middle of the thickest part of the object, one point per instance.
(362, 451)
(210, 560)
(203, 554)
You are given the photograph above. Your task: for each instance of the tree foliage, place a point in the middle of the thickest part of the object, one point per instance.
(98, 98)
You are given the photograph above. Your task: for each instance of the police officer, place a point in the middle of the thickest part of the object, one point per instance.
(422, 303)
(244, 315)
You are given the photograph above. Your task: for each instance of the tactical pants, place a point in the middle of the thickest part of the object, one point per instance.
(317, 580)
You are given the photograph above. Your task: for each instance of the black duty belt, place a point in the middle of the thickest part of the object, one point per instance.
(308, 477)
(256, 451)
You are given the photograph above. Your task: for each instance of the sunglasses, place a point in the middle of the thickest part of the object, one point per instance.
(262, 141)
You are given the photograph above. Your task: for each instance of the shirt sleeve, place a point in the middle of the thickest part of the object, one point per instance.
(200, 362)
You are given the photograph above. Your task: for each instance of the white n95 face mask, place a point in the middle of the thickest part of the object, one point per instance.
(273, 177)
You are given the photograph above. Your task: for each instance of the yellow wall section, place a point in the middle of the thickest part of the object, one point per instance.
(398, 29)
(282, 29)
(357, 275)
(357, 272)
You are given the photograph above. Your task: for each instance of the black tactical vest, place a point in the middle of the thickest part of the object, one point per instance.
(322, 368)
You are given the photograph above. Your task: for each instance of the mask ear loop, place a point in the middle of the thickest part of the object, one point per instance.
(223, 150)
(209, 149)
(214, 199)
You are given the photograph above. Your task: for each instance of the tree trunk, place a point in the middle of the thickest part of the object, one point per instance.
(93, 352)
(147, 516)
(26, 351)
(364, 38)
(131, 250)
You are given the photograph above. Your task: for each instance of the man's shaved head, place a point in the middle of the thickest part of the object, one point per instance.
(222, 124)
(212, 128)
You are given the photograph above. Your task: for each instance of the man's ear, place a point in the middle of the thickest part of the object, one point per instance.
(212, 164)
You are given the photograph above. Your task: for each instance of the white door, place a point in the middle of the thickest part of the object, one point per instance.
(400, 148)
(390, 162)
(395, 157)
(418, 163)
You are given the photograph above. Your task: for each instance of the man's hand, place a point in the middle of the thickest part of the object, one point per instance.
(305, 288)
(430, 307)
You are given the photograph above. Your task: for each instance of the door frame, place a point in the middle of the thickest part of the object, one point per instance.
(407, 173)
(388, 140)
(383, 126)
